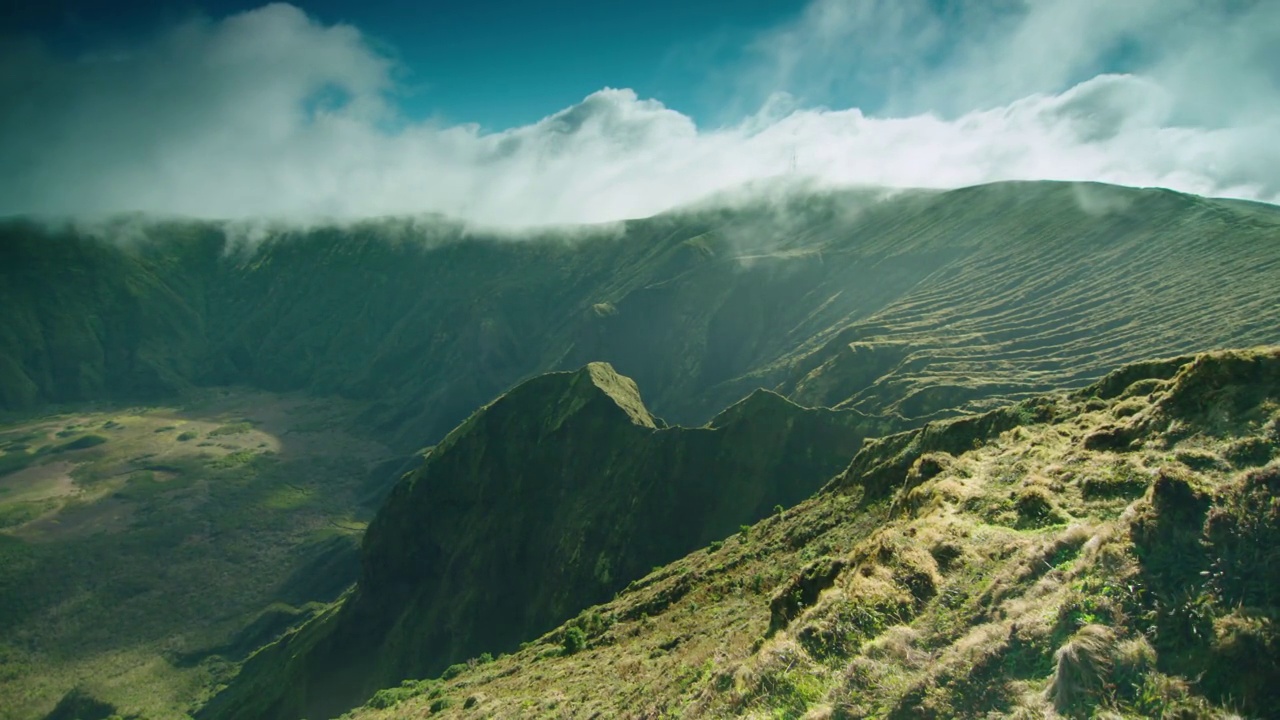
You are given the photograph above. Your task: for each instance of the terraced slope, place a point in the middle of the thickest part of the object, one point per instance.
(917, 304)
(549, 499)
(1106, 552)
(1049, 298)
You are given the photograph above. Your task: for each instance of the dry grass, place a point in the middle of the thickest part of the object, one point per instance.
(946, 602)
(1083, 669)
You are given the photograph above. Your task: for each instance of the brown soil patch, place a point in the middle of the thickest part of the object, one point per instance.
(79, 520)
(39, 482)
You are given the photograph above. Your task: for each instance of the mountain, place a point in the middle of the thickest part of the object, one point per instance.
(1109, 552)
(818, 318)
(916, 304)
(549, 499)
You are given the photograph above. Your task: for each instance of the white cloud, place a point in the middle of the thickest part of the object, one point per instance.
(269, 113)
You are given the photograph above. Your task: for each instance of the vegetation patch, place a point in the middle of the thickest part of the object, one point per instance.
(81, 443)
(1083, 669)
(14, 460)
(143, 573)
(965, 301)
(1117, 479)
(236, 428)
(1129, 585)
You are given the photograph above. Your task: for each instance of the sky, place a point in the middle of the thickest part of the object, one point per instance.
(498, 63)
(567, 111)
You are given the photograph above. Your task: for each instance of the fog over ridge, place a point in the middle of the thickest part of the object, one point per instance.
(272, 114)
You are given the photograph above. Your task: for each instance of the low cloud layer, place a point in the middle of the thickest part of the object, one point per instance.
(270, 114)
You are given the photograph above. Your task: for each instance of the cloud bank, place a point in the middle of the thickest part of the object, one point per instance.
(271, 114)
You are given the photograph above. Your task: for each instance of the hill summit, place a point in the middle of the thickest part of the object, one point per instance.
(1106, 552)
(912, 305)
(547, 500)
(302, 370)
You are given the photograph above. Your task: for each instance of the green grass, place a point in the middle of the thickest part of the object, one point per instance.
(16, 513)
(81, 443)
(569, 461)
(162, 566)
(237, 428)
(993, 292)
(1164, 610)
(926, 305)
(14, 460)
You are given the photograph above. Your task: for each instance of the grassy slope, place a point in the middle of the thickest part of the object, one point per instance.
(1112, 549)
(88, 321)
(1046, 286)
(917, 305)
(548, 500)
(929, 303)
(141, 568)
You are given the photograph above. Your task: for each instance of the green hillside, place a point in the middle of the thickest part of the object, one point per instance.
(550, 499)
(774, 333)
(918, 304)
(1105, 553)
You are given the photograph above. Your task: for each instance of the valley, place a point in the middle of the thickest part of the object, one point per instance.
(406, 466)
(146, 549)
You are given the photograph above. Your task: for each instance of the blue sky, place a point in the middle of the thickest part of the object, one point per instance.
(566, 111)
(500, 63)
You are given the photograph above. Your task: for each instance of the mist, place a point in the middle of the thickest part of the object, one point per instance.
(271, 114)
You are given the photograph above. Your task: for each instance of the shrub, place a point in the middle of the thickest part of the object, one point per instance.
(185, 436)
(574, 640)
(14, 461)
(1035, 508)
(80, 443)
(238, 428)
(390, 697)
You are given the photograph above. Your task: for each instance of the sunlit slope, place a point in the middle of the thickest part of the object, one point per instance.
(1110, 552)
(932, 303)
(145, 551)
(915, 303)
(551, 498)
(1053, 285)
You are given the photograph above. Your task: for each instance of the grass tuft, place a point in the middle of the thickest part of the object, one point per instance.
(1083, 669)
